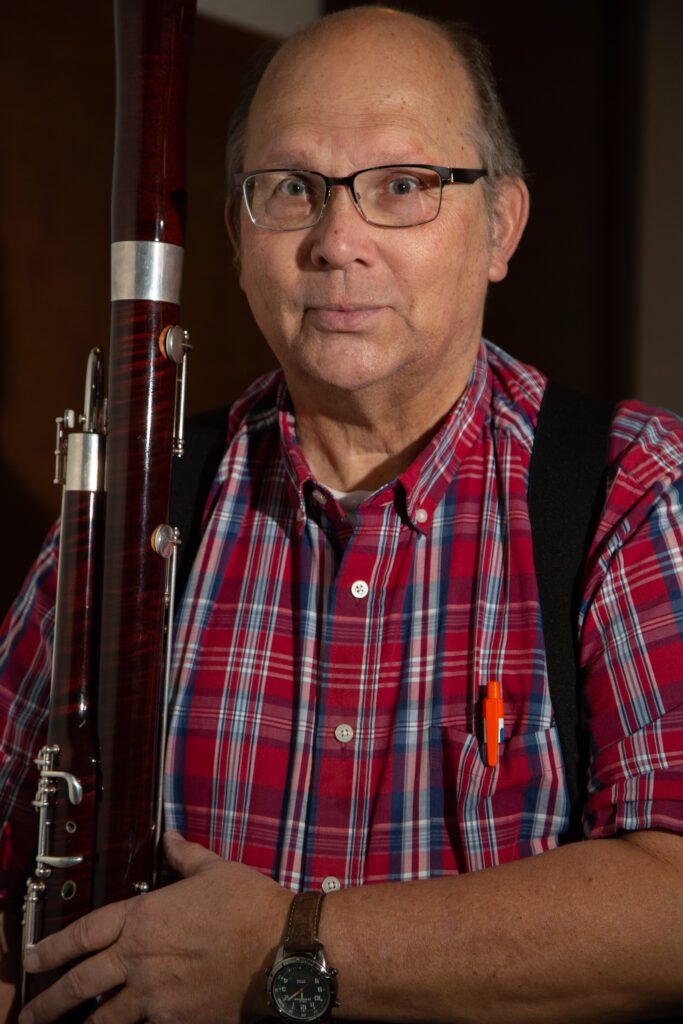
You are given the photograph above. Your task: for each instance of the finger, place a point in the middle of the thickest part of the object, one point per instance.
(90, 933)
(122, 1008)
(85, 981)
(186, 858)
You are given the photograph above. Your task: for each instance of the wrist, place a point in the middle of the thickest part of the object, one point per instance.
(301, 985)
(255, 1006)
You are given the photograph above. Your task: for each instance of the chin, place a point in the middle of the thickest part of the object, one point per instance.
(348, 364)
(347, 379)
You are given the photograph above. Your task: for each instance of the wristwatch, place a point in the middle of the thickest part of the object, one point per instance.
(301, 987)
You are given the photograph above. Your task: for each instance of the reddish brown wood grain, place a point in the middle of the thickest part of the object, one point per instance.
(142, 391)
(152, 57)
(106, 694)
(148, 204)
(71, 723)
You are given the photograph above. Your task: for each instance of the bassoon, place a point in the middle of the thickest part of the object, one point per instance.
(100, 791)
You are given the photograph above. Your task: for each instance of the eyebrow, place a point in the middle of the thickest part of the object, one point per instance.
(304, 164)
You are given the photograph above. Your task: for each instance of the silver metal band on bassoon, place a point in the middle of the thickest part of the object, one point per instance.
(147, 271)
(85, 462)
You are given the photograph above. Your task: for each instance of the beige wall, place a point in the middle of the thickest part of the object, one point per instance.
(275, 17)
(659, 341)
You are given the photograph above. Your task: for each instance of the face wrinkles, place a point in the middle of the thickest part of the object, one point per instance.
(347, 306)
(413, 111)
(402, 138)
(339, 152)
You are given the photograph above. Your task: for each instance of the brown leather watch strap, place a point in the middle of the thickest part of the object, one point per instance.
(303, 923)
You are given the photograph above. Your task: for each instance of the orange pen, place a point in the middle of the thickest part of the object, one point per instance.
(494, 721)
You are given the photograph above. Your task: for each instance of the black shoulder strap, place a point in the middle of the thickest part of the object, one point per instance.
(566, 495)
(192, 478)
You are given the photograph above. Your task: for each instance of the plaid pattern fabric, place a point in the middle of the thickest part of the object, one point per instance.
(327, 708)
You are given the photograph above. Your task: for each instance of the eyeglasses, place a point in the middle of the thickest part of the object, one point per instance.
(391, 196)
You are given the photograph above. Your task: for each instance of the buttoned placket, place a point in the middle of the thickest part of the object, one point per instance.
(361, 565)
(350, 659)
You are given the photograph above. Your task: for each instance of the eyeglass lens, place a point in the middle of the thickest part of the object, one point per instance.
(387, 196)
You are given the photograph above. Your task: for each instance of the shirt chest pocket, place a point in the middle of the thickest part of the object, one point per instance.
(493, 815)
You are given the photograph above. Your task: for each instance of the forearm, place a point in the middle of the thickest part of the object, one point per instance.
(590, 932)
(9, 966)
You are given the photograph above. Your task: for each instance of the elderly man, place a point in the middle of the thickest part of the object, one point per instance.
(378, 575)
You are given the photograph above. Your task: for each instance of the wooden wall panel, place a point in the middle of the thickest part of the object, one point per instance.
(57, 88)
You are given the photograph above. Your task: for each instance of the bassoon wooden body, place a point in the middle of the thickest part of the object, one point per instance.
(100, 792)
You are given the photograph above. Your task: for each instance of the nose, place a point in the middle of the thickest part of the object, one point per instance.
(341, 236)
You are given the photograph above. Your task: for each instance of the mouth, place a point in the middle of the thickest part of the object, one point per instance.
(343, 316)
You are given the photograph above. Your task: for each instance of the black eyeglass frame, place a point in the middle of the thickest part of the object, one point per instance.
(447, 176)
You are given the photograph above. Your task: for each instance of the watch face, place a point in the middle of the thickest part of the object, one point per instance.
(300, 990)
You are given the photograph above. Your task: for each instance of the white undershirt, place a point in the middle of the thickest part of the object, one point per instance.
(349, 501)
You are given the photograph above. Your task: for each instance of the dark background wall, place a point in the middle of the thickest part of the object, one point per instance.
(572, 75)
(57, 89)
(569, 75)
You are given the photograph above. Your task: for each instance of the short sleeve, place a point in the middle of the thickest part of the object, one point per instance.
(632, 652)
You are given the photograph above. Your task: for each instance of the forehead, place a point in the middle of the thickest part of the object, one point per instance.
(379, 83)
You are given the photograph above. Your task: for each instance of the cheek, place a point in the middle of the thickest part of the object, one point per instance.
(269, 283)
(269, 260)
(260, 270)
(446, 273)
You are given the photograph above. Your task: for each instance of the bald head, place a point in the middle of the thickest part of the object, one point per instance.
(399, 62)
(445, 59)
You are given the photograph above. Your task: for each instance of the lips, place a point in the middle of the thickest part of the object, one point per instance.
(342, 317)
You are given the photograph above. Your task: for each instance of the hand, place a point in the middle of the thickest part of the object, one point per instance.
(195, 951)
(10, 943)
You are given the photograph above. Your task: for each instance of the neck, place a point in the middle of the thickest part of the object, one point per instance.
(354, 443)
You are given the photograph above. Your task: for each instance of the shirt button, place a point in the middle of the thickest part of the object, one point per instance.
(319, 497)
(331, 884)
(343, 733)
(360, 588)
(422, 515)
(301, 515)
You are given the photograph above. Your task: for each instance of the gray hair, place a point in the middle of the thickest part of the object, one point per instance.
(491, 131)
(492, 134)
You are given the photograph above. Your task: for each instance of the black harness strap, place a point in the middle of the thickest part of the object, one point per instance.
(566, 494)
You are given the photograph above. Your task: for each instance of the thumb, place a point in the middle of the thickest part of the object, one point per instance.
(186, 858)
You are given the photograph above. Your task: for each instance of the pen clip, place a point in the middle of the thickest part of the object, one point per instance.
(493, 716)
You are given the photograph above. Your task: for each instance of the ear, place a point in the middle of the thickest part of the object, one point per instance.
(510, 215)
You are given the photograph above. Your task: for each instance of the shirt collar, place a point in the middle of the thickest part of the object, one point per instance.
(428, 477)
(416, 492)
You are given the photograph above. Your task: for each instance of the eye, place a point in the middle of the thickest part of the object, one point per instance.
(403, 185)
(293, 188)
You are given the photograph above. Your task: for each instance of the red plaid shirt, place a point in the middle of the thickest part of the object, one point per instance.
(326, 723)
